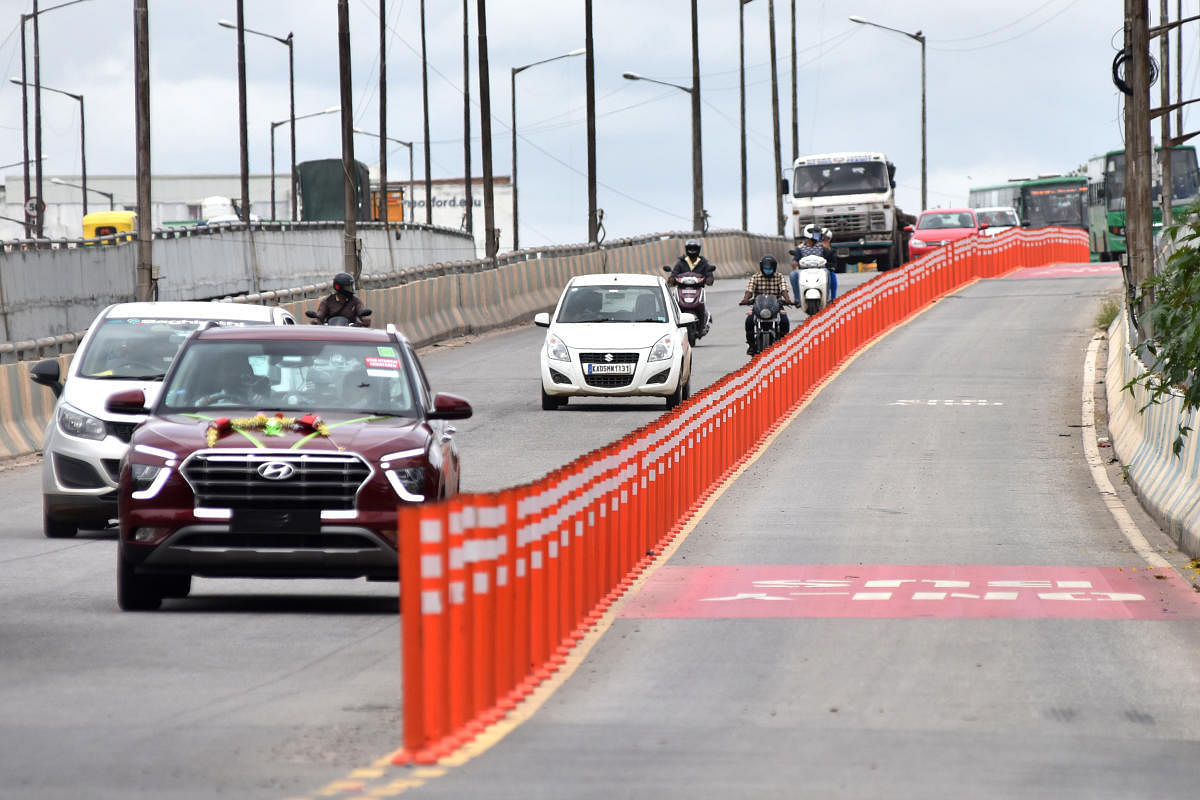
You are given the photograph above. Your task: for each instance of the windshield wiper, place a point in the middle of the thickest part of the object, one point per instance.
(157, 376)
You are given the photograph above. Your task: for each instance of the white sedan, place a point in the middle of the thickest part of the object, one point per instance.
(615, 335)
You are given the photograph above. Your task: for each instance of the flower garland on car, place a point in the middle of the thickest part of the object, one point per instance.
(275, 425)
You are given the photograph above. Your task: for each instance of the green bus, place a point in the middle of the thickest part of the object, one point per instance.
(1039, 202)
(1106, 195)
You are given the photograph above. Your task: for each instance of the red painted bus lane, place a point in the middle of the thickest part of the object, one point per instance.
(1068, 270)
(914, 591)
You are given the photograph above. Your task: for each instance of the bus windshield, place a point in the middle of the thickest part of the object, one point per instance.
(1055, 205)
(856, 177)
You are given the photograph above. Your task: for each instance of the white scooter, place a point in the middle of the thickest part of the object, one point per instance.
(814, 284)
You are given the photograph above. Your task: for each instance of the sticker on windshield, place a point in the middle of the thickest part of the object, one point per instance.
(380, 367)
(386, 351)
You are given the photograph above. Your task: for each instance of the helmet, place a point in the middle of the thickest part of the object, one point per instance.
(811, 231)
(692, 247)
(768, 265)
(827, 234)
(343, 282)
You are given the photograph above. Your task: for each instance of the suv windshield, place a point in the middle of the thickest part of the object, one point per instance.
(613, 304)
(300, 376)
(129, 348)
(813, 180)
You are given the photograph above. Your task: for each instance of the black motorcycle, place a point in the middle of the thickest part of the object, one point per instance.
(767, 310)
(337, 321)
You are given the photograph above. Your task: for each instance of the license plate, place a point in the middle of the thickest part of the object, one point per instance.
(609, 369)
(257, 520)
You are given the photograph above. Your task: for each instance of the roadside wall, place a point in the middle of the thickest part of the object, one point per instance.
(1167, 485)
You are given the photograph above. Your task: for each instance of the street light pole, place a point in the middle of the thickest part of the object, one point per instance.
(409, 145)
(697, 190)
(82, 135)
(775, 118)
(109, 195)
(918, 37)
(513, 93)
(742, 103)
(292, 121)
(698, 223)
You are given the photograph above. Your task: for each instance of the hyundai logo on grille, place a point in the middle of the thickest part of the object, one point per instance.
(277, 470)
(608, 357)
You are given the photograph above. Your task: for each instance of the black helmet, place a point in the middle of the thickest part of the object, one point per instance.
(768, 265)
(343, 282)
(692, 247)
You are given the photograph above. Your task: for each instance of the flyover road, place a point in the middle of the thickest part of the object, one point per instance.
(254, 689)
(917, 591)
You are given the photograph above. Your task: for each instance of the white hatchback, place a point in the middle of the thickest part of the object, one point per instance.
(996, 219)
(615, 335)
(127, 346)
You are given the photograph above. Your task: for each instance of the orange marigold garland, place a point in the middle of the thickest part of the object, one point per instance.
(269, 425)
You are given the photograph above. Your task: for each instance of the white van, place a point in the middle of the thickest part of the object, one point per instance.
(127, 346)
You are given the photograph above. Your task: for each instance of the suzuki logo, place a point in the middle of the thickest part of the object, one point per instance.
(608, 357)
(277, 470)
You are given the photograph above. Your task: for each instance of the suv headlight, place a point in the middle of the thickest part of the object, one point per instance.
(407, 482)
(74, 422)
(556, 349)
(144, 475)
(663, 349)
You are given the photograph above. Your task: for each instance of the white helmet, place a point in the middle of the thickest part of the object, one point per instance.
(827, 234)
(812, 262)
(811, 231)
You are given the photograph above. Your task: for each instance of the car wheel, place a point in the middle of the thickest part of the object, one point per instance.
(692, 337)
(175, 586)
(136, 592)
(679, 395)
(550, 402)
(57, 528)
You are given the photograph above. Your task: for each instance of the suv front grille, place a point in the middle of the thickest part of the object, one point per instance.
(608, 380)
(233, 480)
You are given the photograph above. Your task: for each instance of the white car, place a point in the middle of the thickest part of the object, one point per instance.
(615, 335)
(997, 219)
(127, 346)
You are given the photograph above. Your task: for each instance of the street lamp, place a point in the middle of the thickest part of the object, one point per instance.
(742, 102)
(109, 195)
(82, 135)
(287, 41)
(382, 188)
(920, 38)
(697, 179)
(578, 52)
(292, 120)
(37, 108)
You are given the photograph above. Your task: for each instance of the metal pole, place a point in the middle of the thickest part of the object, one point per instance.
(425, 106)
(1164, 58)
(25, 122)
(383, 176)
(349, 167)
(513, 92)
(795, 106)
(924, 171)
(243, 144)
(697, 160)
(83, 150)
(292, 128)
(40, 218)
(485, 132)
(742, 104)
(145, 238)
(775, 119)
(273, 168)
(1140, 241)
(593, 227)
(470, 209)
(1179, 67)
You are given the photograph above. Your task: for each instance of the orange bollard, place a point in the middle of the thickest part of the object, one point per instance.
(460, 683)
(481, 569)
(433, 552)
(408, 525)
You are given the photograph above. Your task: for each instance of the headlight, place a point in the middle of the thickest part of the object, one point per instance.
(764, 313)
(408, 483)
(663, 349)
(916, 243)
(74, 422)
(556, 349)
(144, 475)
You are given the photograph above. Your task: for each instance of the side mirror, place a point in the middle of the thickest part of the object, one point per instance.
(47, 373)
(667, 268)
(1026, 224)
(309, 313)
(983, 226)
(130, 401)
(541, 319)
(366, 312)
(449, 406)
(686, 318)
(908, 229)
(784, 187)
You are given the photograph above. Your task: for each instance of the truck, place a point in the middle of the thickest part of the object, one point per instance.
(854, 196)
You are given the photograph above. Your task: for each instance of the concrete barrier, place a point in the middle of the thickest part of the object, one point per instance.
(1167, 485)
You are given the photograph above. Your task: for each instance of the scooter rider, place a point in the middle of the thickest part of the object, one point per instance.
(831, 261)
(692, 261)
(342, 303)
(770, 282)
(809, 247)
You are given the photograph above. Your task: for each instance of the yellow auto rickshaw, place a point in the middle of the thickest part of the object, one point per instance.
(110, 223)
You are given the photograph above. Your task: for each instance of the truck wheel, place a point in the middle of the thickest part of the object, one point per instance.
(136, 592)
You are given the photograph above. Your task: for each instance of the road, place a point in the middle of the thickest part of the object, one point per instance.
(254, 689)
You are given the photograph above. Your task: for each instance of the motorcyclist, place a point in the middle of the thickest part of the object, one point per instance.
(342, 302)
(692, 261)
(769, 282)
(810, 246)
(831, 260)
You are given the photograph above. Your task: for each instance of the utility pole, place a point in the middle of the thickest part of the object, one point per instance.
(1164, 84)
(425, 107)
(466, 47)
(383, 178)
(775, 119)
(698, 224)
(243, 143)
(25, 122)
(141, 84)
(485, 132)
(1138, 159)
(593, 227)
(795, 108)
(349, 168)
(742, 103)
(40, 219)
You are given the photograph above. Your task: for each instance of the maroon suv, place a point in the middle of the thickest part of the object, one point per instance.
(279, 452)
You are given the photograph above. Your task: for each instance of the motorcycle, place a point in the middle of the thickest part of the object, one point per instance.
(767, 310)
(339, 321)
(814, 284)
(689, 296)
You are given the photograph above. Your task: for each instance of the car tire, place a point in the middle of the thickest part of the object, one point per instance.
(56, 528)
(681, 393)
(550, 402)
(175, 586)
(136, 592)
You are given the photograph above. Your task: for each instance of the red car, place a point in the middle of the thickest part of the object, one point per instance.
(938, 227)
(279, 452)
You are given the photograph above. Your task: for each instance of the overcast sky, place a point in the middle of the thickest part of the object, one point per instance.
(1015, 88)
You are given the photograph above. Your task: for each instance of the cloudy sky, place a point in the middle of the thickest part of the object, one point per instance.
(1015, 88)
